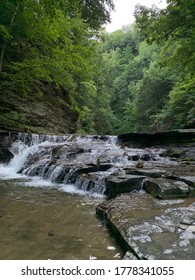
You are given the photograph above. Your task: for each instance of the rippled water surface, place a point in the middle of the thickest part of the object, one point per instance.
(45, 223)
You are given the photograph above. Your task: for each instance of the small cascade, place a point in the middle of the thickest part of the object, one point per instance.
(82, 161)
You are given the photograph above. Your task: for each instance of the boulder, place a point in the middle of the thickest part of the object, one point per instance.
(116, 184)
(166, 189)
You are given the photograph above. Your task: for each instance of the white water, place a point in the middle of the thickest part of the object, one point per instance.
(23, 149)
(39, 149)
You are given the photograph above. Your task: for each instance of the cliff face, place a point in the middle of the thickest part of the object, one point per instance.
(51, 113)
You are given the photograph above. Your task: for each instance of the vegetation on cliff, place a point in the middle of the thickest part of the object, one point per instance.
(47, 47)
(139, 78)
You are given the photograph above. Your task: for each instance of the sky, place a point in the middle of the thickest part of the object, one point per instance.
(124, 10)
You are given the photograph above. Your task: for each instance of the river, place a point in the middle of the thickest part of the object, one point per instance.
(44, 223)
(49, 192)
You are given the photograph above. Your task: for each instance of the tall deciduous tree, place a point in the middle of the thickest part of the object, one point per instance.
(175, 28)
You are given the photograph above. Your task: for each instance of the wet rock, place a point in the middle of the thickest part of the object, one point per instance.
(51, 233)
(189, 180)
(73, 153)
(116, 184)
(180, 137)
(133, 157)
(154, 173)
(129, 256)
(144, 157)
(166, 188)
(90, 182)
(94, 168)
(151, 228)
(6, 139)
(5, 155)
(176, 153)
(139, 165)
(182, 153)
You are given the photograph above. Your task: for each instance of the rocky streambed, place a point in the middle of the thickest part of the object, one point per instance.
(154, 217)
(148, 183)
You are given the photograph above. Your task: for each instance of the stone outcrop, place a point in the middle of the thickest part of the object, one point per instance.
(151, 228)
(51, 113)
(158, 220)
(181, 137)
(167, 189)
(116, 184)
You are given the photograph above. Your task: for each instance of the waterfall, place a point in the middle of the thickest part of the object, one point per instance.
(35, 157)
(70, 162)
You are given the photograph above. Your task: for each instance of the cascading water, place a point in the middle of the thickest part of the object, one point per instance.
(43, 214)
(83, 162)
(50, 189)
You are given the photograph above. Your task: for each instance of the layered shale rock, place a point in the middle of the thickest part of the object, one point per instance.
(151, 228)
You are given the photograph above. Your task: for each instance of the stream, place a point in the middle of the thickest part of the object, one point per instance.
(49, 192)
(44, 223)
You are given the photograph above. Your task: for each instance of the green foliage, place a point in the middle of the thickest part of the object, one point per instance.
(174, 29)
(95, 12)
(137, 84)
(52, 49)
(175, 26)
(139, 78)
(119, 50)
(49, 45)
(179, 110)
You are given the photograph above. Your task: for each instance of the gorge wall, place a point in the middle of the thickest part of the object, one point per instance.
(51, 113)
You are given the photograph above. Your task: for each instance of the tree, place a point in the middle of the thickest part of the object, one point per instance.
(175, 28)
(119, 50)
(179, 111)
(95, 13)
(48, 45)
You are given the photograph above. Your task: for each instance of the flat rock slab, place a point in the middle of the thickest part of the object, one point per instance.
(166, 189)
(116, 184)
(154, 173)
(151, 228)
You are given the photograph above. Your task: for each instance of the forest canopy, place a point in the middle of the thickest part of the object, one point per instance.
(139, 78)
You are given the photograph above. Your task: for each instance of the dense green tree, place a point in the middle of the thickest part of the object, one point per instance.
(179, 111)
(47, 45)
(174, 27)
(119, 50)
(95, 12)
(139, 78)
(139, 84)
